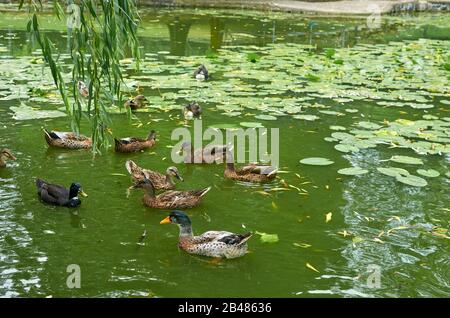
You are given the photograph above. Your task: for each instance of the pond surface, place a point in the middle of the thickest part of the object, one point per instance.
(375, 94)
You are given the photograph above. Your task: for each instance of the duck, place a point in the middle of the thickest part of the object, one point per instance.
(218, 244)
(201, 73)
(171, 199)
(249, 173)
(192, 110)
(58, 195)
(67, 140)
(5, 154)
(133, 144)
(208, 154)
(159, 180)
(136, 102)
(82, 89)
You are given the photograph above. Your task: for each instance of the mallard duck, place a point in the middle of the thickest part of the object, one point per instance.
(160, 181)
(211, 243)
(136, 102)
(68, 140)
(132, 144)
(201, 73)
(250, 173)
(59, 195)
(5, 154)
(192, 110)
(82, 89)
(208, 154)
(170, 199)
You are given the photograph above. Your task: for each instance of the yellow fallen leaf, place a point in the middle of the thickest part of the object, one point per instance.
(328, 217)
(311, 267)
(274, 206)
(302, 245)
(378, 240)
(396, 228)
(262, 192)
(344, 233)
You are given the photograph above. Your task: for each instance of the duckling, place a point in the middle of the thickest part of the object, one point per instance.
(170, 199)
(192, 110)
(201, 73)
(136, 102)
(208, 154)
(5, 154)
(59, 195)
(249, 173)
(160, 181)
(83, 89)
(133, 144)
(212, 243)
(67, 140)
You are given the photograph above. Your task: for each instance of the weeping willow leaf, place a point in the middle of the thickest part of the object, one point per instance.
(428, 173)
(353, 171)
(412, 180)
(316, 161)
(406, 160)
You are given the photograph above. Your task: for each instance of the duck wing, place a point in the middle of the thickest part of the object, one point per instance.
(258, 169)
(52, 193)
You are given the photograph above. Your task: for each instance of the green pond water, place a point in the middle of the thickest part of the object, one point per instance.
(324, 82)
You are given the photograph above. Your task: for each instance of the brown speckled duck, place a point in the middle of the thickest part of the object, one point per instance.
(136, 102)
(5, 154)
(133, 144)
(67, 140)
(159, 180)
(170, 199)
(211, 243)
(192, 110)
(82, 89)
(248, 173)
(208, 154)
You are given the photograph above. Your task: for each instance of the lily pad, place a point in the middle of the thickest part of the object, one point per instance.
(407, 160)
(353, 171)
(412, 180)
(251, 124)
(368, 125)
(306, 117)
(346, 148)
(428, 173)
(266, 117)
(316, 161)
(393, 172)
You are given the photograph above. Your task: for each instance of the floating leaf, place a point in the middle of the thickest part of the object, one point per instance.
(352, 171)
(346, 148)
(406, 160)
(368, 125)
(306, 117)
(316, 161)
(251, 124)
(393, 172)
(311, 267)
(302, 245)
(428, 173)
(266, 117)
(337, 128)
(268, 238)
(412, 180)
(328, 217)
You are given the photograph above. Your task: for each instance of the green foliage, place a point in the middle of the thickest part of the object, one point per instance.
(106, 30)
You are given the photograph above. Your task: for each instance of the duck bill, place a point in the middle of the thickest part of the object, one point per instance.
(12, 157)
(82, 193)
(165, 221)
(179, 177)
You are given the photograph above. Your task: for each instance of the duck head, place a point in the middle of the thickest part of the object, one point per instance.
(173, 171)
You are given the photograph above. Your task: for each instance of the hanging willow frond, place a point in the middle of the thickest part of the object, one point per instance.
(101, 34)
